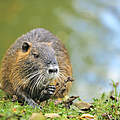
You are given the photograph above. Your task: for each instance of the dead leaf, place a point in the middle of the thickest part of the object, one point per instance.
(52, 115)
(2, 115)
(37, 116)
(83, 105)
(69, 101)
(71, 116)
(87, 117)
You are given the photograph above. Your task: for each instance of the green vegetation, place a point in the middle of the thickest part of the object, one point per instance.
(107, 107)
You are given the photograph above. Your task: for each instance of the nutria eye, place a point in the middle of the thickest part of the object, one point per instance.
(25, 47)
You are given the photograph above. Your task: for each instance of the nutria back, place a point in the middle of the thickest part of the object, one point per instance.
(36, 61)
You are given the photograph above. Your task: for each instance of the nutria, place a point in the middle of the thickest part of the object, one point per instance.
(36, 67)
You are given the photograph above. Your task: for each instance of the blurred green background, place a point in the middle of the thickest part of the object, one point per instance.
(90, 30)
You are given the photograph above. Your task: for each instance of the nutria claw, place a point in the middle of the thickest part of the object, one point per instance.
(51, 89)
(47, 93)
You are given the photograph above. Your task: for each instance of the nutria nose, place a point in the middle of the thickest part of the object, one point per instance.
(53, 70)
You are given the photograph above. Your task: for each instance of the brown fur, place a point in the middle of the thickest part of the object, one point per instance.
(11, 78)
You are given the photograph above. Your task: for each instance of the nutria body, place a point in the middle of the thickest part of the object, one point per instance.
(36, 67)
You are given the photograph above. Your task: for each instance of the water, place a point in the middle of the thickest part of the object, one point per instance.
(89, 29)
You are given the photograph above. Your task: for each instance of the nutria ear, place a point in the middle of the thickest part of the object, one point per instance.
(25, 46)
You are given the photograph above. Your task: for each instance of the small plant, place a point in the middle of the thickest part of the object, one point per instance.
(106, 107)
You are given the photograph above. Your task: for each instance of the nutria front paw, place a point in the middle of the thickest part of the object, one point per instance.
(51, 90)
(48, 92)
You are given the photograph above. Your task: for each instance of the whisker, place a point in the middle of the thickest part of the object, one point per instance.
(27, 76)
(39, 81)
(32, 76)
(35, 83)
(33, 80)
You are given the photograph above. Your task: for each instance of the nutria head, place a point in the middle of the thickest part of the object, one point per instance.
(37, 64)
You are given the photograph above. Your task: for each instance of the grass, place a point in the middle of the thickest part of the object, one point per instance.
(106, 107)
